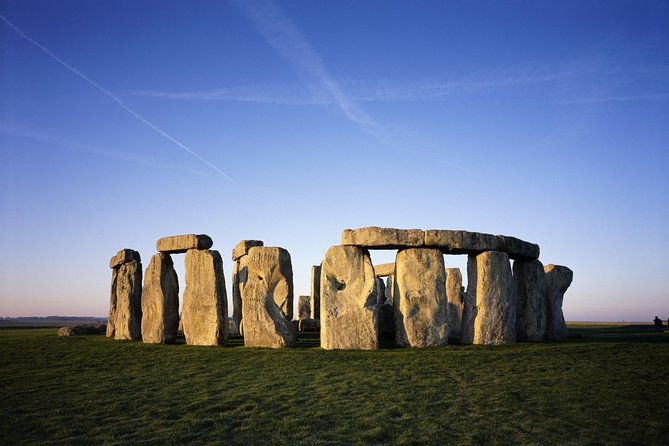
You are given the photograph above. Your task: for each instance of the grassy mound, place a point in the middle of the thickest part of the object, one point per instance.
(606, 385)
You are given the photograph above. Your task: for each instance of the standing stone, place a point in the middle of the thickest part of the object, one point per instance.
(380, 291)
(303, 307)
(125, 306)
(316, 292)
(469, 310)
(495, 321)
(531, 303)
(160, 301)
(454, 296)
(205, 306)
(349, 318)
(387, 322)
(243, 248)
(390, 286)
(557, 280)
(421, 309)
(267, 296)
(239, 279)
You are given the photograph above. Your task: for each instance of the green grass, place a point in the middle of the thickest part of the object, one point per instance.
(610, 385)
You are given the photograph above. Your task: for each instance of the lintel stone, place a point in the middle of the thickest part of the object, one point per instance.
(179, 244)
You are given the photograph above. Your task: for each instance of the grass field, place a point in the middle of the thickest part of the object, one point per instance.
(608, 385)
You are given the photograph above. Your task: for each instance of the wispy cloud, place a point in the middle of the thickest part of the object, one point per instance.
(599, 99)
(113, 97)
(14, 130)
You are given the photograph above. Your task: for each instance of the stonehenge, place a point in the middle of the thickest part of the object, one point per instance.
(417, 301)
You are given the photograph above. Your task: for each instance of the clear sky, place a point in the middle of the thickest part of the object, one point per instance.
(125, 121)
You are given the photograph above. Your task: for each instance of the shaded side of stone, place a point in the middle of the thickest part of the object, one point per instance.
(455, 298)
(315, 292)
(557, 280)
(124, 256)
(531, 301)
(304, 307)
(243, 247)
(469, 308)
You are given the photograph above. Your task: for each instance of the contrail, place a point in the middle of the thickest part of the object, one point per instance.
(111, 96)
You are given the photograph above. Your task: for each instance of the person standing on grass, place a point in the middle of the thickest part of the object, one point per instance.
(658, 324)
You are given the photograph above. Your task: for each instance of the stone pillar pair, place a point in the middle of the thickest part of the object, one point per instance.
(125, 306)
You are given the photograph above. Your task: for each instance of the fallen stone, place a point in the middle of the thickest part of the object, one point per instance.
(384, 269)
(243, 247)
(495, 321)
(557, 280)
(382, 238)
(205, 306)
(421, 310)
(316, 292)
(82, 330)
(465, 242)
(160, 301)
(531, 303)
(127, 290)
(455, 299)
(178, 244)
(348, 302)
(267, 299)
(124, 256)
(303, 307)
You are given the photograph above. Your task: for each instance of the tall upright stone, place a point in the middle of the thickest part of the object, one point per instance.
(531, 303)
(455, 298)
(304, 307)
(239, 275)
(421, 309)
(390, 286)
(495, 319)
(349, 318)
(267, 296)
(160, 301)
(315, 292)
(125, 304)
(557, 280)
(469, 310)
(380, 291)
(205, 306)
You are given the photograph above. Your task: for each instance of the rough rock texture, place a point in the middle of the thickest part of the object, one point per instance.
(382, 238)
(82, 330)
(469, 309)
(266, 296)
(348, 302)
(124, 256)
(308, 325)
(316, 292)
(387, 322)
(384, 269)
(390, 286)
(380, 290)
(419, 298)
(127, 287)
(531, 303)
(304, 307)
(455, 299)
(111, 321)
(465, 242)
(557, 280)
(205, 307)
(239, 276)
(243, 247)
(495, 321)
(178, 244)
(160, 301)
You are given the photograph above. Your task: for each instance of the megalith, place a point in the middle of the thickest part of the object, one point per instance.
(531, 301)
(239, 278)
(349, 318)
(315, 292)
(390, 286)
(557, 280)
(419, 298)
(205, 306)
(160, 301)
(125, 305)
(380, 289)
(304, 307)
(455, 299)
(494, 317)
(267, 296)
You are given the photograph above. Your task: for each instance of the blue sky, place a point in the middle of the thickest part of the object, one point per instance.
(122, 122)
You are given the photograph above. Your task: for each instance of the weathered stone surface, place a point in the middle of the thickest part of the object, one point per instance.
(160, 301)
(267, 298)
(348, 302)
(205, 306)
(390, 286)
(373, 237)
(239, 276)
(82, 330)
(557, 280)
(315, 292)
(380, 290)
(111, 321)
(304, 307)
(469, 310)
(178, 244)
(384, 269)
(243, 247)
(531, 303)
(124, 256)
(455, 299)
(127, 287)
(465, 242)
(419, 298)
(387, 322)
(495, 321)
(309, 325)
